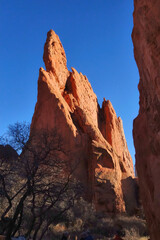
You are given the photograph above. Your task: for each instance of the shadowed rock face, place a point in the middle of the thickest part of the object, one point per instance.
(91, 135)
(146, 129)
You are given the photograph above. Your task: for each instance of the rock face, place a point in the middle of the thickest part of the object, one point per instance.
(146, 129)
(91, 135)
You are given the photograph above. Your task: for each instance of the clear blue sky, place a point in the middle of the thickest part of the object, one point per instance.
(96, 35)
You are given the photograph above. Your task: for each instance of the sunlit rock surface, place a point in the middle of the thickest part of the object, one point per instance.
(146, 131)
(91, 136)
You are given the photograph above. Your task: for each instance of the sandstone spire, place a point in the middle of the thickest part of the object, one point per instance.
(66, 102)
(55, 59)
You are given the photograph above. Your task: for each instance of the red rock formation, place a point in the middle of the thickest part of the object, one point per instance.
(146, 129)
(92, 136)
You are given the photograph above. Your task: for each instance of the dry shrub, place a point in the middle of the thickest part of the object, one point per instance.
(83, 217)
(144, 238)
(59, 228)
(131, 228)
(131, 224)
(104, 227)
(131, 234)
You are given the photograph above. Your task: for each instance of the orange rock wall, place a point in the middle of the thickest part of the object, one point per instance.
(91, 136)
(146, 129)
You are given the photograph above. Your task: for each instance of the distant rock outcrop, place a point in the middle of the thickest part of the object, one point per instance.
(146, 129)
(8, 154)
(91, 135)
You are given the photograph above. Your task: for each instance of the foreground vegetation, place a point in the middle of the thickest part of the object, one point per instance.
(101, 227)
(40, 201)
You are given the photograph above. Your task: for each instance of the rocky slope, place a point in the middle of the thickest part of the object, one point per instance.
(146, 40)
(91, 136)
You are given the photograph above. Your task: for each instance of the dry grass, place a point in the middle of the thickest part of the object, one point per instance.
(143, 238)
(131, 228)
(103, 227)
(83, 217)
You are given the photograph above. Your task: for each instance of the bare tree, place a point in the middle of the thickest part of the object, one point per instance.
(16, 136)
(39, 187)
